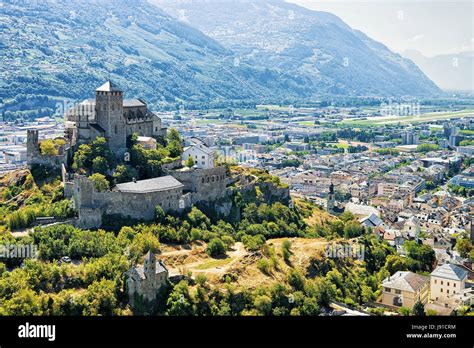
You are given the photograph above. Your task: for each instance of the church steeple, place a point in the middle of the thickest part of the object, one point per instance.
(149, 266)
(331, 199)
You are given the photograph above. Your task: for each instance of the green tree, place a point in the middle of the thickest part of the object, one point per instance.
(419, 309)
(175, 143)
(286, 250)
(404, 311)
(263, 304)
(464, 247)
(427, 147)
(159, 214)
(353, 229)
(346, 216)
(100, 298)
(216, 247)
(175, 149)
(124, 173)
(48, 148)
(100, 182)
(189, 162)
(179, 301)
(82, 158)
(100, 165)
(424, 255)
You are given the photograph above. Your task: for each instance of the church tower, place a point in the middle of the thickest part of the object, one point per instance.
(109, 111)
(149, 266)
(331, 199)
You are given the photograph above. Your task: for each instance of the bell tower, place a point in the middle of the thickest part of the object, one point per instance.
(149, 266)
(109, 111)
(331, 199)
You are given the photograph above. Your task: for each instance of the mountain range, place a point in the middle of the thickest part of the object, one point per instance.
(173, 52)
(449, 71)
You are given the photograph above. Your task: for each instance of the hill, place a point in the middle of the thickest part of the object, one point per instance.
(450, 71)
(66, 49)
(249, 52)
(316, 47)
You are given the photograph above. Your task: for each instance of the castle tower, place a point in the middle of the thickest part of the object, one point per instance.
(149, 266)
(109, 111)
(331, 200)
(32, 145)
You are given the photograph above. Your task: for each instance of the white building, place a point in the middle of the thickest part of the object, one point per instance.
(447, 280)
(202, 155)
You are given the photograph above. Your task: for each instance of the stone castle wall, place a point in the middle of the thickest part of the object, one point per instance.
(34, 156)
(203, 184)
(92, 204)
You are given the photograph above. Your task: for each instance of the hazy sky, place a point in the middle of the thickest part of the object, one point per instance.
(430, 26)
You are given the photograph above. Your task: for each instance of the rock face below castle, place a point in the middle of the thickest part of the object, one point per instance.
(112, 117)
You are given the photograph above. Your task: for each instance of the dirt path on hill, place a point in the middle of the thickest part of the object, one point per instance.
(206, 264)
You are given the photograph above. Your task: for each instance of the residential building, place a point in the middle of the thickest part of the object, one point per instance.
(202, 155)
(447, 280)
(405, 289)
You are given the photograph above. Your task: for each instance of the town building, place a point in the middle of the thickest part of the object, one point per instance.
(447, 280)
(203, 156)
(404, 289)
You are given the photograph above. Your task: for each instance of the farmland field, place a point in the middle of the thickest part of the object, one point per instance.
(428, 117)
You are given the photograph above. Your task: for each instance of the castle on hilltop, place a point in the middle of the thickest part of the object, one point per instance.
(112, 117)
(116, 119)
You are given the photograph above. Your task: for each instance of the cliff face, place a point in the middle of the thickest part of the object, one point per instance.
(254, 191)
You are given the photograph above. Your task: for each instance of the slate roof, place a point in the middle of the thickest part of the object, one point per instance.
(108, 87)
(160, 267)
(201, 147)
(450, 271)
(406, 281)
(138, 273)
(127, 103)
(371, 221)
(162, 183)
(97, 127)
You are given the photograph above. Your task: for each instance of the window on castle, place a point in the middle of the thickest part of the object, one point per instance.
(202, 180)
